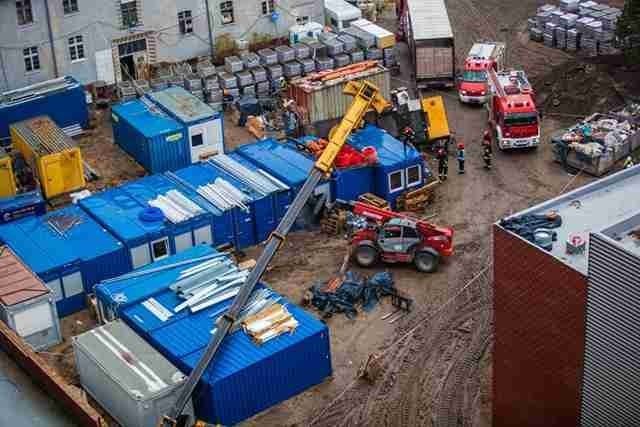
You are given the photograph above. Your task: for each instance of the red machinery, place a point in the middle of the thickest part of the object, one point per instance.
(472, 84)
(397, 237)
(513, 115)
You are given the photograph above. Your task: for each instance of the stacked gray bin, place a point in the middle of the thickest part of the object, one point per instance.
(227, 80)
(323, 64)
(159, 83)
(292, 69)
(334, 47)
(318, 50)
(302, 51)
(573, 40)
(268, 56)
(341, 60)
(233, 64)
(126, 91)
(248, 90)
(250, 60)
(561, 38)
(349, 43)
(135, 389)
(274, 72)
(365, 40)
(550, 34)
(285, 54)
(177, 80)
(192, 82)
(259, 74)
(245, 78)
(357, 56)
(308, 65)
(374, 54)
(389, 57)
(262, 88)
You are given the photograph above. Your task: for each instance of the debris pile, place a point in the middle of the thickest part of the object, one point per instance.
(269, 323)
(536, 228)
(353, 291)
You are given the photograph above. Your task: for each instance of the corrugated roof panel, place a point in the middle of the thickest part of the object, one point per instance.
(148, 121)
(181, 104)
(17, 283)
(429, 19)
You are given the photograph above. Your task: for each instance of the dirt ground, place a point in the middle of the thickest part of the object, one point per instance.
(437, 359)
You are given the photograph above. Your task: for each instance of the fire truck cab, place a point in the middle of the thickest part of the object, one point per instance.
(472, 83)
(513, 115)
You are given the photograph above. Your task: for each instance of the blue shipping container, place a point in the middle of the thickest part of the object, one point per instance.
(244, 378)
(204, 126)
(69, 262)
(117, 295)
(198, 175)
(400, 166)
(186, 234)
(21, 205)
(150, 136)
(145, 240)
(61, 99)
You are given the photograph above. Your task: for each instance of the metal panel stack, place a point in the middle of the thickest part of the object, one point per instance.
(233, 64)
(126, 91)
(349, 42)
(285, 54)
(259, 74)
(389, 57)
(365, 40)
(274, 72)
(341, 60)
(573, 40)
(250, 60)
(302, 51)
(561, 37)
(245, 78)
(268, 56)
(248, 90)
(159, 83)
(318, 50)
(292, 69)
(308, 65)
(549, 34)
(323, 64)
(334, 46)
(357, 56)
(227, 80)
(569, 5)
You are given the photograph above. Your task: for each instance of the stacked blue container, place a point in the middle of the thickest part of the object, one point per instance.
(145, 239)
(193, 231)
(150, 136)
(400, 166)
(199, 175)
(69, 261)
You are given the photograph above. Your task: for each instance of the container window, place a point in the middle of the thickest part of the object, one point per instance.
(56, 289)
(183, 242)
(203, 235)
(140, 256)
(396, 181)
(34, 319)
(24, 11)
(197, 140)
(414, 175)
(72, 284)
(226, 11)
(160, 248)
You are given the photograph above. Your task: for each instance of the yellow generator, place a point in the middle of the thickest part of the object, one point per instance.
(51, 154)
(8, 186)
(435, 116)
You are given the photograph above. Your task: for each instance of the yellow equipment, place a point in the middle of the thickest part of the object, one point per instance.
(7, 179)
(436, 118)
(366, 97)
(51, 154)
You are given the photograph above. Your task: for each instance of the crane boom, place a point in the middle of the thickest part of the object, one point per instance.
(366, 97)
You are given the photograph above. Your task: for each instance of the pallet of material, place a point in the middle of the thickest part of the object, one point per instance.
(334, 223)
(373, 200)
(417, 200)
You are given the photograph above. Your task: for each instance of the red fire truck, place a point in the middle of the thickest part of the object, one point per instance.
(472, 83)
(513, 116)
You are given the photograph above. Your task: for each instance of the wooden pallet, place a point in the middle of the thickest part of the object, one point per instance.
(417, 200)
(373, 200)
(334, 223)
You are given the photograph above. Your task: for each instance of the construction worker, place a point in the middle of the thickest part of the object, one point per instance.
(460, 158)
(628, 163)
(486, 138)
(443, 164)
(487, 154)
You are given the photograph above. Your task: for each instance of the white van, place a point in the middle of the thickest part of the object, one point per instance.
(339, 14)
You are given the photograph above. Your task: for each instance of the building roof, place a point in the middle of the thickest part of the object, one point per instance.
(391, 152)
(183, 105)
(146, 119)
(429, 19)
(278, 160)
(205, 173)
(592, 208)
(17, 283)
(44, 249)
(626, 234)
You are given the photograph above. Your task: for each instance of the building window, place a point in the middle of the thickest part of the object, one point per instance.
(70, 6)
(76, 48)
(414, 175)
(129, 12)
(197, 140)
(226, 10)
(396, 181)
(31, 59)
(302, 20)
(268, 7)
(160, 249)
(24, 11)
(185, 22)
(132, 47)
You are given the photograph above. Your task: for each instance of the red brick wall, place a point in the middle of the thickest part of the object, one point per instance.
(539, 318)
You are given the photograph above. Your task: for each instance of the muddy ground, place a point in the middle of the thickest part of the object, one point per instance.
(437, 360)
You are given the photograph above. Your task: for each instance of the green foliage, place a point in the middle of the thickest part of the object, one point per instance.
(628, 31)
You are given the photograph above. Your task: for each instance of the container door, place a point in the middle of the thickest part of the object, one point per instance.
(72, 284)
(7, 181)
(34, 319)
(51, 176)
(203, 235)
(140, 256)
(56, 289)
(205, 139)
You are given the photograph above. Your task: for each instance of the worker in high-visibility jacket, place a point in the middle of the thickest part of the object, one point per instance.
(628, 163)
(460, 158)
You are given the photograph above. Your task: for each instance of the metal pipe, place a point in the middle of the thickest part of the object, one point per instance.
(210, 28)
(50, 33)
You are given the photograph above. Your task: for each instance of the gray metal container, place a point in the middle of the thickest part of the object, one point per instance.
(308, 65)
(285, 54)
(357, 56)
(134, 383)
(192, 82)
(292, 69)
(233, 64)
(250, 60)
(350, 43)
(302, 51)
(215, 96)
(248, 90)
(365, 40)
(535, 34)
(274, 71)
(245, 78)
(323, 64)
(374, 54)
(334, 47)
(262, 88)
(259, 74)
(206, 70)
(227, 81)
(318, 50)
(341, 60)
(268, 56)
(211, 83)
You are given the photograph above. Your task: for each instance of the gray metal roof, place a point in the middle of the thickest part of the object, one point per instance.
(129, 360)
(182, 104)
(626, 234)
(429, 19)
(592, 208)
